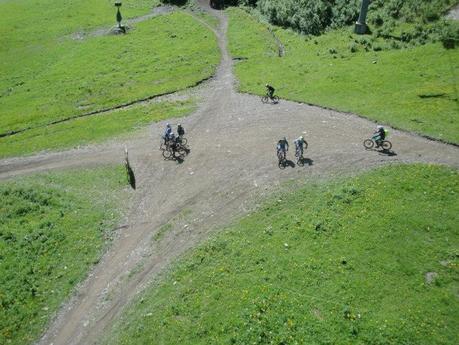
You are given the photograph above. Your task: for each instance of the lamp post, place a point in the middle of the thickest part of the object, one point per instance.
(360, 26)
(118, 15)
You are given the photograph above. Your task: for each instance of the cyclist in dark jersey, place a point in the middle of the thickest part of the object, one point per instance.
(270, 91)
(180, 130)
(379, 135)
(282, 146)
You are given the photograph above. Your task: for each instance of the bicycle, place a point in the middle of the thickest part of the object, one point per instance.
(299, 157)
(282, 159)
(386, 145)
(182, 140)
(266, 98)
(174, 149)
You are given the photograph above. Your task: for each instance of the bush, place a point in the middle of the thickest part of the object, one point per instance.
(315, 16)
(449, 34)
(353, 48)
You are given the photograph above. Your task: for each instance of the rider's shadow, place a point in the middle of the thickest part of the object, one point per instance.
(181, 159)
(389, 153)
(289, 163)
(384, 152)
(306, 161)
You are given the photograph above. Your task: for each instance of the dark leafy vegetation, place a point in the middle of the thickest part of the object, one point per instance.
(368, 260)
(385, 17)
(52, 228)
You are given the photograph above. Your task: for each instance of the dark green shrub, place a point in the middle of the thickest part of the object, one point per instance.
(449, 34)
(315, 16)
(353, 48)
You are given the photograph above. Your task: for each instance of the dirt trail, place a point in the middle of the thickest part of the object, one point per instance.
(232, 165)
(453, 13)
(157, 11)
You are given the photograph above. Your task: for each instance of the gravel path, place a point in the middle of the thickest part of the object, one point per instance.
(231, 166)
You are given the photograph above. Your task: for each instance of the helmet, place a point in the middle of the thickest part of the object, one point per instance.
(379, 127)
(266, 85)
(301, 138)
(179, 124)
(168, 124)
(285, 138)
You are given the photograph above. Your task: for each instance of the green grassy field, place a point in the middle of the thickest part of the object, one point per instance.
(414, 89)
(53, 227)
(340, 262)
(50, 76)
(91, 129)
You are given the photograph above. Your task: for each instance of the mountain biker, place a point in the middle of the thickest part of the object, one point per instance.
(299, 144)
(379, 135)
(282, 146)
(167, 133)
(173, 142)
(270, 91)
(180, 130)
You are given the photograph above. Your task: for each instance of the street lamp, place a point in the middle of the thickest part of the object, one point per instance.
(360, 26)
(118, 15)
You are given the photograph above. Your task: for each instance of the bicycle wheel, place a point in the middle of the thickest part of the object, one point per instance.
(264, 99)
(181, 151)
(167, 154)
(368, 143)
(183, 141)
(386, 145)
(300, 161)
(275, 99)
(281, 164)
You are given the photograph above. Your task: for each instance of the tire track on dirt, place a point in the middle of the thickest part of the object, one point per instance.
(231, 167)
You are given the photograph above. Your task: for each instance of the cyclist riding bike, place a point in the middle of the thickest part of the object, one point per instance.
(380, 135)
(180, 130)
(270, 91)
(173, 142)
(299, 145)
(167, 133)
(282, 147)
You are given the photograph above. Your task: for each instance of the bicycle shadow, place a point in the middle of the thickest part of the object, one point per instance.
(389, 153)
(181, 159)
(306, 162)
(383, 152)
(287, 163)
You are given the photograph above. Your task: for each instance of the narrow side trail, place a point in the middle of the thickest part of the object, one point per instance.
(232, 164)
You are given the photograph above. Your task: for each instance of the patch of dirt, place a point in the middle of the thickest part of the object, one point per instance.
(231, 167)
(430, 277)
(454, 13)
(157, 11)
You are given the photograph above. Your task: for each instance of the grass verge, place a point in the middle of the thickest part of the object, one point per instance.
(53, 227)
(91, 129)
(72, 77)
(366, 260)
(414, 89)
